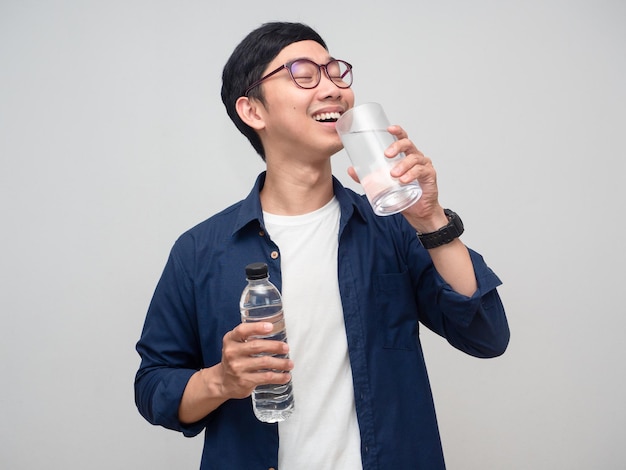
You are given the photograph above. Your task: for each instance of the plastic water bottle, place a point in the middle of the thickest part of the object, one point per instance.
(261, 302)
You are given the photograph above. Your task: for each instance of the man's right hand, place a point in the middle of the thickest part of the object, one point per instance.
(247, 361)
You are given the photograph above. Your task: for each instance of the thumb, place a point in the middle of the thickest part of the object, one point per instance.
(353, 174)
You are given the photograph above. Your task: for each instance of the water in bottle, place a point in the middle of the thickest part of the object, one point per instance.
(261, 302)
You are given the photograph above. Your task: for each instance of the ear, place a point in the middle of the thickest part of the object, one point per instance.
(251, 112)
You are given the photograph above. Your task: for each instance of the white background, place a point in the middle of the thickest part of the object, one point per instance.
(113, 141)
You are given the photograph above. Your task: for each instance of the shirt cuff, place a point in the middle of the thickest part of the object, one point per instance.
(459, 308)
(167, 399)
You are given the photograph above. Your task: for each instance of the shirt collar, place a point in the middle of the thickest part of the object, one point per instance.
(250, 209)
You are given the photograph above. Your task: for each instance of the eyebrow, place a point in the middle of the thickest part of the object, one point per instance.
(328, 59)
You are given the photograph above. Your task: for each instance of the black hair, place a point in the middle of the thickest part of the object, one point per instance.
(248, 61)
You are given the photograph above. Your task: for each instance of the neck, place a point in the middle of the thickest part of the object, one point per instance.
(295, 190)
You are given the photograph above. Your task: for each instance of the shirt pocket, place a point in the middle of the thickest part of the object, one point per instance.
(396, 310)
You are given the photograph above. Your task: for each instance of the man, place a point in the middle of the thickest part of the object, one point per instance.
(355, 288)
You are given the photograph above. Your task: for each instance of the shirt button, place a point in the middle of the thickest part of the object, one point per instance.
(261, 233)
(274, 254)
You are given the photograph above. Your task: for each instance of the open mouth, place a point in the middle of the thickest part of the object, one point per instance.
(327, 117)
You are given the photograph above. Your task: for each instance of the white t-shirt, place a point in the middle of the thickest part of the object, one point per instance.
(323, 431)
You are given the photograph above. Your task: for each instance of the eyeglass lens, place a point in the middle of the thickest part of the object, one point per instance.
(307, 74)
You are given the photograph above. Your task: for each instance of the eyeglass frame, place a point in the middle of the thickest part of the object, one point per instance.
(303, 59)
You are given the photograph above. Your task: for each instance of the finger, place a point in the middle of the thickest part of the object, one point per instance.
(353, 175)
(242, 377)
(398, 131)
(269, 363)
(258, 347)
(412, 167)
(236, 352)
(271, 377)
(249, 371)
(243, 331)
(402, 144)
(240, 359)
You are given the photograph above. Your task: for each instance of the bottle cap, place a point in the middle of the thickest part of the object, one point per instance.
(256, 271)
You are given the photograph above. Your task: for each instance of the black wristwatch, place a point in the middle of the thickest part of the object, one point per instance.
(445, 234)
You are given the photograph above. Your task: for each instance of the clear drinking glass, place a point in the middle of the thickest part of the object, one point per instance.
(363, 131)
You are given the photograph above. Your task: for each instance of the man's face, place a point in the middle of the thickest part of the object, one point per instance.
(293, 128)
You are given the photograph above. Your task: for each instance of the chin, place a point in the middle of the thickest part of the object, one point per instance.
(336, 146)
(337, 149)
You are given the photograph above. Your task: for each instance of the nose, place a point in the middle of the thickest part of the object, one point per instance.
(327, 87)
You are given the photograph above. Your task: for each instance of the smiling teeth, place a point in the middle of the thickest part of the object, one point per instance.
(326, 116)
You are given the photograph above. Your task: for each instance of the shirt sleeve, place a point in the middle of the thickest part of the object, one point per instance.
(169, 348)
(476, 325)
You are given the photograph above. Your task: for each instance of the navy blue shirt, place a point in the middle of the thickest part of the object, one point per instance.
(389, 288)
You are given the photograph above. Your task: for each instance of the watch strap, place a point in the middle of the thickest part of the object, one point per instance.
(453, 229)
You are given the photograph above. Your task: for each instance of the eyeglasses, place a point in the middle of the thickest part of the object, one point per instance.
(307, 74)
